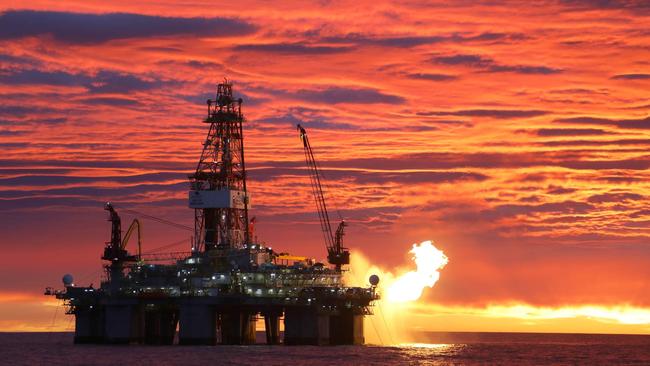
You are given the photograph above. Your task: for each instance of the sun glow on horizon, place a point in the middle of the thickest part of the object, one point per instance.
(622, 314)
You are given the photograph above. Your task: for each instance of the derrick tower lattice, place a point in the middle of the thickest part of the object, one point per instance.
(218, 187)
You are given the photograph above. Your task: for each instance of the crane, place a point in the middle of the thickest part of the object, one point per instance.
(116, 249)
(336, 253)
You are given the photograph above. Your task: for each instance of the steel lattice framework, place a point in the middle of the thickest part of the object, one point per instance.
(218, 187)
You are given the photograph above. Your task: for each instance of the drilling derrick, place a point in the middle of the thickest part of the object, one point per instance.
(218, 187)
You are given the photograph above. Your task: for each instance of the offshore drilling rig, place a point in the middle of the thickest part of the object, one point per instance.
(216, 293)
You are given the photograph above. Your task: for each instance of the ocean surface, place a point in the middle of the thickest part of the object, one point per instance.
(435, 349)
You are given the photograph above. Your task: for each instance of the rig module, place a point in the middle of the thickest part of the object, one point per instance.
(215, 293)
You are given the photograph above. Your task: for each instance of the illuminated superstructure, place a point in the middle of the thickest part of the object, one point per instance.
(215, 293)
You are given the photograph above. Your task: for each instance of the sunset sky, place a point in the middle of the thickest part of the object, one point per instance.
(514, 135)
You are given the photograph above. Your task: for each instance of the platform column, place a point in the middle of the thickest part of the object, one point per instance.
(347, 328)
(123, 323)
(272, 327)
(306, 326)
(160, 325)
(89, 325)
(237, 327)
(197, 325)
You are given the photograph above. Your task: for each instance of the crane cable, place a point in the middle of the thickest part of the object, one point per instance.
(167, 246)
(327, 189)
(157, 219)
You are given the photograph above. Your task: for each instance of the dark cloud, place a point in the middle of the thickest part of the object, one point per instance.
(404, 42)
(14, 145)
(96, 192)
(523, 69)
(7, 133)
(629, 164)
(560, 190)
(414, 41)
(642, 123)
(65, 202)
(29, 77)
(433, 161)
(118, 83)
(364, 177)
(96, 28)
(103, 82)
(307, 121)
(565, 207)
(631, 77)
(530, 199)
(41, 202)
(7, 59)
(621, 178)
(615, 197)
(491, 113)
(52, 180)
(580, 91)
(339, 95)
(53, 121)
(501, 160)
(162, 49)
(15, 110)
(432, 77)
(203, 64)
(197, 64)
(463, 60)
(360, 176)
(288, 118)
(372, 216)
(640, 213)
(292, 48)
(546, 132)
(36, 120)
(109, 164)
(486, 64)
(631, 5)
(329, 94)
(111, 101)
(620, 142)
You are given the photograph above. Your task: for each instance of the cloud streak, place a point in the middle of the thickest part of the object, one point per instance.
(85, 28)
(486, 64)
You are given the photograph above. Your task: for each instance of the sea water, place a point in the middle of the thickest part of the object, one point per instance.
(432, 349)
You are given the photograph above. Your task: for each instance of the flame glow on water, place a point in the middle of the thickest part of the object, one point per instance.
(398, 289)
(429, 261)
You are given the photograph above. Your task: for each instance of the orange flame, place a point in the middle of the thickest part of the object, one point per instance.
(429, 261)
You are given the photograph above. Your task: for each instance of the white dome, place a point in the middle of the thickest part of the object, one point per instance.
(68, 280)
(374, 280)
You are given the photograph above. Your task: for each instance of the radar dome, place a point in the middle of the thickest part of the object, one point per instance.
(374, 280)
(68, 280)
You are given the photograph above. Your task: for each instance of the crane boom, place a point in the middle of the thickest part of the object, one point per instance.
(135, 224)
(336, 253)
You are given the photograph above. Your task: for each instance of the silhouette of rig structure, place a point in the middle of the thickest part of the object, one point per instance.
(217, 292)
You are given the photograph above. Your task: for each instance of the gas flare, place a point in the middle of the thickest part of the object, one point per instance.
(399, 291)
(429, 260)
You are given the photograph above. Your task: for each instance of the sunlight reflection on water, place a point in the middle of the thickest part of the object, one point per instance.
(427, 345)
(432, 349)
(57, 349)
